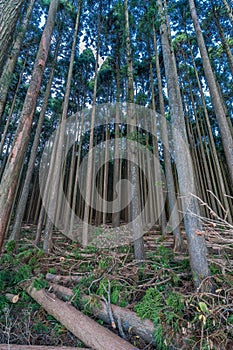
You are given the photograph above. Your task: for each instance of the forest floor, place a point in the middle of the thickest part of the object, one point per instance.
(160, 289)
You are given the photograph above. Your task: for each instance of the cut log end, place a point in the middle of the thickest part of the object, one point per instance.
(13, 298)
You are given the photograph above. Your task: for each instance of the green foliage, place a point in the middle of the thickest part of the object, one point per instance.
(7, 258)
(58, 329)
(67, 6)
(115, 296)
(24, 273)
(214, 269)
(118, 294)
(51, 318)
(77, 254)
(164, 312)
(40, 328)
(21, 266)
(52, 270)
(166, 255)
(3, 303)
(230, 319)
(175, 301)
(91, 249)
(100, 322)
(172, 313)
(77, 296)
(46, 2)
(122, 303)
(5, 279)
(25, 298)
(9, 280)
(89, 304)
(203, 307)
(10, 246)
(184, 264)
(40, 283)
(150, 307)
(104, 263)
(150, 304)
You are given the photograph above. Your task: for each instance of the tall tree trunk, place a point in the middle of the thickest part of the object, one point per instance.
(116, 169)
(70, 182)
(9, 67)
(24, 195)
(225, 131)
(229, 10)
(55, 175)
(106, 172)
(157, 172)
(224, 41)
(135, 204)
(196, 243)
(12, 107)
(15, 160)
(74, 199)
(9, 13)
(88, 194)
(6, 155)
(174, 216)
(212, 145)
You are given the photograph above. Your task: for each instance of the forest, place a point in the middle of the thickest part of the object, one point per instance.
(116, 174)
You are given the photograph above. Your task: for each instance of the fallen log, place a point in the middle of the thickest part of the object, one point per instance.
(84, 328)
(13, 298)
(61, 292)
(62, 279)
(129, 321)
(36, 347)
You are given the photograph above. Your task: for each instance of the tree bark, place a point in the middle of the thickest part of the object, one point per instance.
(13, 102)
(174, 216)
(89, 179)
(62, 279)
(9, 67)
(15, 160)
(135, 205)
(215, 157)
(116, 170)
(71, 221)
(9, 12)
(24, 195)
(157, 172)
(40, 225)
(229, 10)
(88, 331)
(224, 40)
(196, 244)
(106, 172)
(53, 206)
(225, 131)
(129, 320)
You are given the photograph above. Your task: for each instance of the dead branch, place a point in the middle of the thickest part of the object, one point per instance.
(108, 304)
